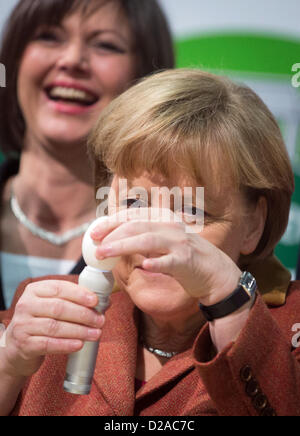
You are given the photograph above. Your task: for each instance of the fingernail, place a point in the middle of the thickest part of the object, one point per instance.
(148, 264)
(91, 299)
(99, 321)
(105, 249)
(93, 333)
(75, 344)
(98, 255)
(95, 234)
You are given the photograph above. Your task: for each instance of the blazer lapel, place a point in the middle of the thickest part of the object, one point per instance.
(172, 370)
(116, 363)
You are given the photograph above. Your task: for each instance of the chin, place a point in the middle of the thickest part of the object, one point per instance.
(64, 130)
(67, 141)
(64, 138)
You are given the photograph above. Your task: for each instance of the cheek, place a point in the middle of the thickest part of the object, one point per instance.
(35, 64)
(115, 74)
(33, 68)
(122, 272)
(227, 239)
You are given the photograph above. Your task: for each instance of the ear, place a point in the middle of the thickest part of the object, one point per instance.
(254, 226)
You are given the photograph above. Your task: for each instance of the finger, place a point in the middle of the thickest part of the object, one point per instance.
(145, 214)
(164, 264)
(142, 244)
(131, 228)
(42, 346)
(64, 290)
(135, 227)
(64, 330)
(153, 237)
(106, 226)
(61, 310)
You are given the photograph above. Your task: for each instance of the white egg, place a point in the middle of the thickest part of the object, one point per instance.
(89, 247)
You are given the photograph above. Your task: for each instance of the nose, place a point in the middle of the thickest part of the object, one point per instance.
(74, 57)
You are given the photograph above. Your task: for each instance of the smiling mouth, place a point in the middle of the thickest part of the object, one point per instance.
(71, 96)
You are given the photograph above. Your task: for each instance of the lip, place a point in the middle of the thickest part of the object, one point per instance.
(149, 273)
(66, 108)
(74, 85)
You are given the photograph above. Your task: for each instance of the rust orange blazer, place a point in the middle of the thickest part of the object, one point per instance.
(259, 374)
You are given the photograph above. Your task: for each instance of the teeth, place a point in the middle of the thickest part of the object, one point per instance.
(70, 94)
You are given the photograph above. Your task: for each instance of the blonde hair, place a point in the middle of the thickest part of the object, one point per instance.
(204, 126)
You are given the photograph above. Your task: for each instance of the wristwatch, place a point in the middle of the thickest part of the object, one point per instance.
(244, 292)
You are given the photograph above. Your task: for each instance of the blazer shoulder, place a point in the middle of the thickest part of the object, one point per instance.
(288, 314)
(292, 298)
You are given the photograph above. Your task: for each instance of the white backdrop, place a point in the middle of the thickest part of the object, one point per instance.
(5, 8)
(194, 16)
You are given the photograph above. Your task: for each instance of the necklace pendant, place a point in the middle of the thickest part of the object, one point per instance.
(157, 352)
(41, 233)
(161, 353)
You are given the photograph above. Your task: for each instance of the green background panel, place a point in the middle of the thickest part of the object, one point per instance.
(239, 52)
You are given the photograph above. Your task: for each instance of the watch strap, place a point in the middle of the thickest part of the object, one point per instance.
(230, 304)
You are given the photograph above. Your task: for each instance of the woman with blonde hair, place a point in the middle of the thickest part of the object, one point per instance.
(204, 322)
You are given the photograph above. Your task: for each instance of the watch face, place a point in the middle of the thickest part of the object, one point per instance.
(248, 282)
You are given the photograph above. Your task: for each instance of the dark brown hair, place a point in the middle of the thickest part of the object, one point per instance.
(153, 45)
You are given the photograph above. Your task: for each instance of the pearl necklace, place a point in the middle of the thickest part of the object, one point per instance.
(51, 237)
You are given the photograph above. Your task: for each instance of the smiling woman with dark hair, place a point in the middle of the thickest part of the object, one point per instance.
(65, 61)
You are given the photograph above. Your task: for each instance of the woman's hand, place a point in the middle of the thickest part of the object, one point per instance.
(51, 317)
(204, 271)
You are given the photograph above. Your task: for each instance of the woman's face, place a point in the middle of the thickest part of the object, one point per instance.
(70, 72)
(225, 223)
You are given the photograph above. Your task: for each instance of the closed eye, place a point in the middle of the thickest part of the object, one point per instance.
(109, 47)
(47, 35)
(192, 210)
(192, 215)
